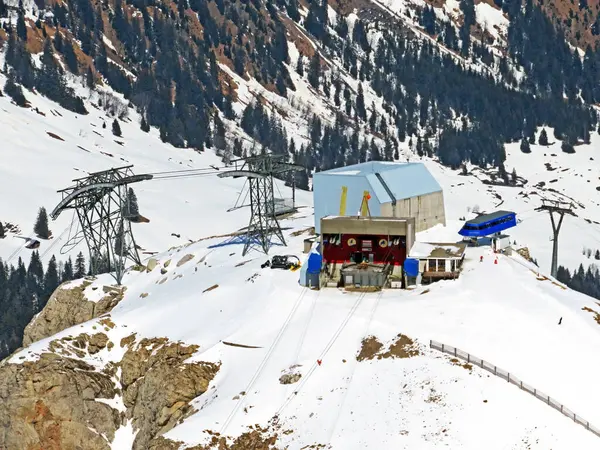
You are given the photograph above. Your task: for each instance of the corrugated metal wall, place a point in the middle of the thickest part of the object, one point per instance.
(428, 210)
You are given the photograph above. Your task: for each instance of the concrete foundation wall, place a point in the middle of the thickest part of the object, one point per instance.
(428, 210)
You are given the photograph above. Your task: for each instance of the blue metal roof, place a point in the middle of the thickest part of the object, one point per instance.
(404, 180)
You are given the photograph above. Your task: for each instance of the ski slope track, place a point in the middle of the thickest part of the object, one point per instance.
(501, 312)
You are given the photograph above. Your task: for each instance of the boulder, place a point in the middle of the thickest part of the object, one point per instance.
(185, 259)
(152, 263)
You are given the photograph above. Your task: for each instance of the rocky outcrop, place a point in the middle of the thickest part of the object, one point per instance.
(68, 307)
(256, 438)
(50, 404)
(158, 386)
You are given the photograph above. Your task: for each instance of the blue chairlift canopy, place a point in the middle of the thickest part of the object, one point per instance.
(488, 224)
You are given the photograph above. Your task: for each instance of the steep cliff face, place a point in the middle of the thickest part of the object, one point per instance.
(60, 401)
(51, 404)
(67, 307)
(158, 386)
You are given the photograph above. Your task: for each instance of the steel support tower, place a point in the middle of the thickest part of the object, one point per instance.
(101, 203)
(560, 208)
(263, 229)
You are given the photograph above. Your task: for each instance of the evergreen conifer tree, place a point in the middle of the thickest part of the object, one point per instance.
(2, 232)
(543, 137)
(21, 27)
(567, 147)
(41, 224)
(14, 91)
(67, 273)
(360, 103)
(144, 125)
(300, 66)
(90, 82)
(119, 248)
(51, 279)
(131, 204)
(525, 148)
(79, 266)
(597, 255)
(70, 57)
(219, 135)
(314, 71)
(116, 128)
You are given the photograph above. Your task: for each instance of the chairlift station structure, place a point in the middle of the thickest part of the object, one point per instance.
(367, 216)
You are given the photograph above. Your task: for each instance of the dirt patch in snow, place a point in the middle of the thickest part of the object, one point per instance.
(596, 313)
(402, 347)
(369, 349)
(457, 362)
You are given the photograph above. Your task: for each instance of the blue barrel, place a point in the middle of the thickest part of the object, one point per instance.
(411, 267)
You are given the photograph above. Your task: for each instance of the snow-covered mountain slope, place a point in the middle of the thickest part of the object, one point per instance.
(549, 174)
(35, 165)
(501, 312)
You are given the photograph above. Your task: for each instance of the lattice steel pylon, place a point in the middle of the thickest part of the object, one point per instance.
(259, 170)
(101, 203)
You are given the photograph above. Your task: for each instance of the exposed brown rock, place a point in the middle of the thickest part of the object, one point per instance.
(256, 438)
(290, 378)
(402, 347)
(152, 263)
(49, 404)
(158, 386)
(68, 307)
(370, 347)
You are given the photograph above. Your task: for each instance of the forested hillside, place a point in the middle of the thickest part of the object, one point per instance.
(421, 81)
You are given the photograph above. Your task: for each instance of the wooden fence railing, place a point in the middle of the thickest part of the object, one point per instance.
(460, 354)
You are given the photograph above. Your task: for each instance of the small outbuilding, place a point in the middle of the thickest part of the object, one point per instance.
(400, 190)
(438, 260)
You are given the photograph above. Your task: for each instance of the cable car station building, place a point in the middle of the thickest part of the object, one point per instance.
(398, 190)
(363, 251)
(367, 216)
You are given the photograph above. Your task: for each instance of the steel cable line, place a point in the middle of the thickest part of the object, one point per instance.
(345, 395)
(265, 359)
(332, 341)
(189, 175)
(167, 172)
(55, 241)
